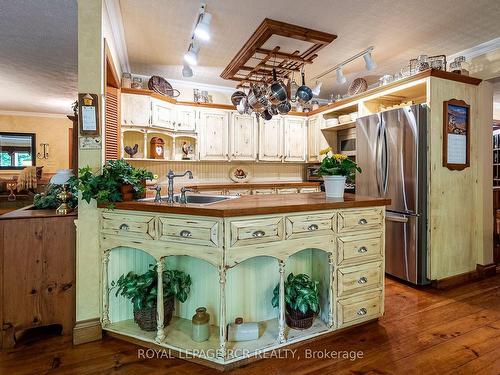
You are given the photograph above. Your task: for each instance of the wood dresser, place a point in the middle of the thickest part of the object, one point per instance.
(37, 272)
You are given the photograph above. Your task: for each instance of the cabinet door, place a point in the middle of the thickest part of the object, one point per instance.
(271, 139)
(162, 114)
(214, 135)
(315, 139)
(136, 109)
(243, 137)
(295, 139)
(185, 118)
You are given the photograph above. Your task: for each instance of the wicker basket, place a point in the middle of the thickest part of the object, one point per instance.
(296, 320)
(146, 317)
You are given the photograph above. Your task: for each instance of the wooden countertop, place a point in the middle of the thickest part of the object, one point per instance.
(258, 205)
(28, 213)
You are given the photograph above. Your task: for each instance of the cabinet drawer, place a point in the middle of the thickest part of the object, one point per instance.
(251, 232)
(263, 191)
(189, 231)
(309, 189)
(360, 308)
(137, 226)
(307, 225)
(287, 191)
(238, 192)
(362, 220)
(359, 248)
(359, 278)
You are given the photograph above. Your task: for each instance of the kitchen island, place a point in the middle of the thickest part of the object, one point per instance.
(236, 252)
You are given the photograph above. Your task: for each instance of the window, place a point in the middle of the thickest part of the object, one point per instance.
(17, 150)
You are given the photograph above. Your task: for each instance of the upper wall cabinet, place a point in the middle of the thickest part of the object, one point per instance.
(185, 118)
(315, 138)
(214, 134)
(271, 139)
(295, 139)
(162, 114)
(136, 109)
(243, 137)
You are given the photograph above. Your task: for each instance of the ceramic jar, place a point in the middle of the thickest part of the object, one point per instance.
(200, 325)
(334, 186)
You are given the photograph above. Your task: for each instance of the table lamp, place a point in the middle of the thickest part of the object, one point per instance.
(62, 177)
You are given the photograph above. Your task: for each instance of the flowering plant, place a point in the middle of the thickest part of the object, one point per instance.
(337, 165)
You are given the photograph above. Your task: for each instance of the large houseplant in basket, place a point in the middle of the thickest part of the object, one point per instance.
(335, 169)
(301, 300)
(141, 290)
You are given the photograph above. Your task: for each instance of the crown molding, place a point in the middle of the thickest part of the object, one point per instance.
(478, 50)
(193, 84)
(33, 114)
(116, 23)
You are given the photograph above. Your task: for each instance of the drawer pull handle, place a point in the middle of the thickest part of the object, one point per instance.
(362, 311)
(362, 250)
(186, 233)
(362, 280)
(124, 227)
(312, 227)
(259, 233)
(362, 221)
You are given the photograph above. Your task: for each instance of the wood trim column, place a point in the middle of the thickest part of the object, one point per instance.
(105, 289)
(281, 306)
(221, 352)
(330, 290)
(160, 333)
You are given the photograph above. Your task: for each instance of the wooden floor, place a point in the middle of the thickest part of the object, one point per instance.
(424, 331)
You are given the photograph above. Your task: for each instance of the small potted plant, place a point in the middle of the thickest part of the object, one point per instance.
(141, 290)
(335, 169)
(301, 300)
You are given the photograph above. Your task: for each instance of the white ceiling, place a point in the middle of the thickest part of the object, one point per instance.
(38, 55)
(157, 32)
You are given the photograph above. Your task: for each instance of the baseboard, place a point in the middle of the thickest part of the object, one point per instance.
(481, 272)
(87, 331)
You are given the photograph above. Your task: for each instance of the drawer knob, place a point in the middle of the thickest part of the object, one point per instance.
(124, 227)
(259, 233)
(362, 221)
(185, 233)
(362, 311)
(312, 227)
(362, 280)
(362, 250)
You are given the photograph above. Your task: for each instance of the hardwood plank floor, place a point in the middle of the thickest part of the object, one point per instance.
(424, 331)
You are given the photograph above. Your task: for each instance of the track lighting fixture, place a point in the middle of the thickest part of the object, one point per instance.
(202, 29)
(340, 76)
(191, 56)
(187, 71)
(317, 89)
(369, 63)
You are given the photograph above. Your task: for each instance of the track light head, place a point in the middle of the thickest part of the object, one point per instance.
(369, 62)
(340, 76)
(187, 71)
(202, 29)
(317, 89)
(191, 56)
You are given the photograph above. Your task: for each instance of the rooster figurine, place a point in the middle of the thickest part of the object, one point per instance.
(131, 150)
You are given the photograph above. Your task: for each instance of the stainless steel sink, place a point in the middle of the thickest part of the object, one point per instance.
(198, 199)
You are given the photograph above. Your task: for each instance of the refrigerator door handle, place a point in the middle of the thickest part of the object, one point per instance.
(378, 157)
(384, 161)
(399, 219)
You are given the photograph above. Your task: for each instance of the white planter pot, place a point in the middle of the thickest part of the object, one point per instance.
(334, 186)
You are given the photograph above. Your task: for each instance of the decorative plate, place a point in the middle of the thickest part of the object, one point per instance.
(161, 86)
(239, 174)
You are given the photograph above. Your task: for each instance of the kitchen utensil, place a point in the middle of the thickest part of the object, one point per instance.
(237, 96)
(277, 91)
(292, 90)
(304, 92)
(242, 106)
(266, 115)
(284, 107)
(273, 110)
(161, 86)
(357, 86)
(256, 98)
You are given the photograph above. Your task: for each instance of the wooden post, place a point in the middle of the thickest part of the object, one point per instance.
(281, 306)
(221, 353)
(160, 333)
(105, 289)
(330, 290)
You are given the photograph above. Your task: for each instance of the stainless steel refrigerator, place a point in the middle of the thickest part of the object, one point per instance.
(391, 149)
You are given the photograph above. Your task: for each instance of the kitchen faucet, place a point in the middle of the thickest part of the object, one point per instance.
(170, 190)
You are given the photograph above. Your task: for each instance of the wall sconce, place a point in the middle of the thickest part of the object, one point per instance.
(45, 151)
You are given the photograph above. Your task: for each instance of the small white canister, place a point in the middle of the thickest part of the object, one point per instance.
(239, 331)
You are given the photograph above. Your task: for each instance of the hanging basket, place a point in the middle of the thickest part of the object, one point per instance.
(297, 320)
(146, 317)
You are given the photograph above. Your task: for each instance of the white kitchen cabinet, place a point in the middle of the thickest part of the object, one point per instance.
(271, 139)
(295, 139)
(243, 137)
(162, 114)
(136, 109)
(315, 139)
(185, 118)
(214, 134)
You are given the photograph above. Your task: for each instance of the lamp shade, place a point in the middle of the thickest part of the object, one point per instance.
(61, 177)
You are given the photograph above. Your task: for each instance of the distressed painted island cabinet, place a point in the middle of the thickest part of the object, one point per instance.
(236, 256)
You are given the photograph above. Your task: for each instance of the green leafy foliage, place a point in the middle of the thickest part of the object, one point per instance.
(141, 290)
(49, 199)
(301, 293)
(105, 187)
(337, 165)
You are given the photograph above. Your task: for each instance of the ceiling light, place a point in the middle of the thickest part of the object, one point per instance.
(317, 89)
(187, 71)
(191, 56)
(202, 29)
(369, 63)
(340, 76)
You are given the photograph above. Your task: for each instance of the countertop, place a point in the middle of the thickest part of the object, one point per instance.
(28, 213)
(258, 205)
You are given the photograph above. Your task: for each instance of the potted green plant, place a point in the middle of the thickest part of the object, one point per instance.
(301, 300)
(141, 290)
(49, 199)
(335, 169)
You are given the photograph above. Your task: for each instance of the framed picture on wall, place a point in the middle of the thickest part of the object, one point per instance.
(88, 114)
(456, 134)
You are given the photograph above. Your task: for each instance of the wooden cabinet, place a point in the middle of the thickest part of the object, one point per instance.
(37, 277)
(243, 137)
(185, 118)
(162, 114)
(136, 109)
(214, 135)
(295, 139)
(315, 139)
(271, 139)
